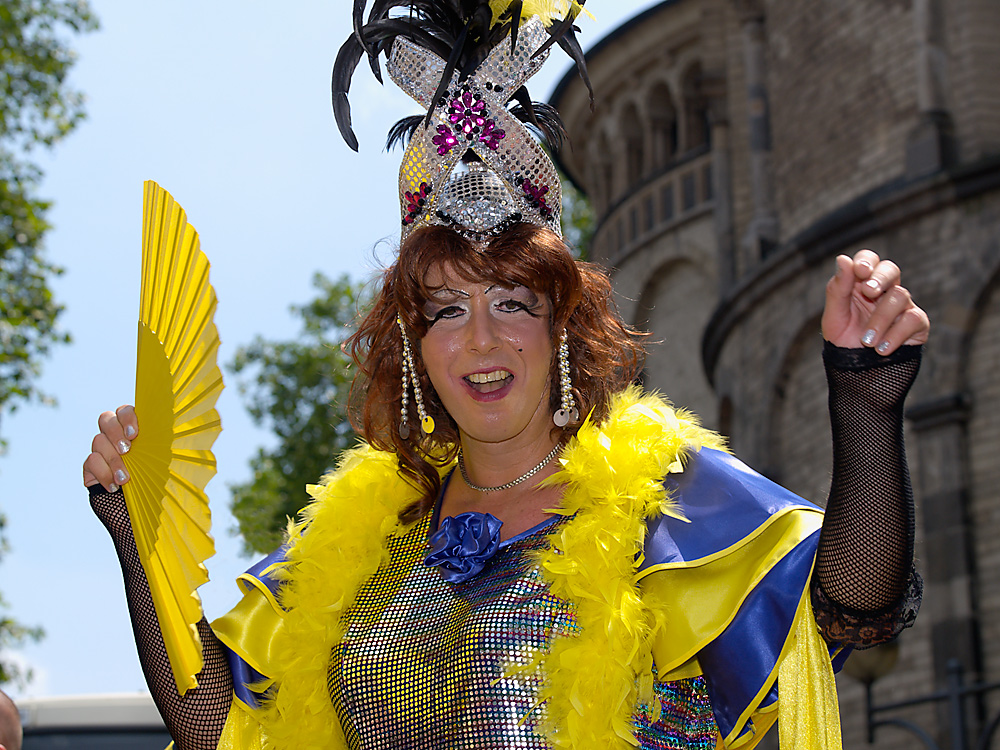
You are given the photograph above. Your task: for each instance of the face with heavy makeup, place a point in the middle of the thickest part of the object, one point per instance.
(488, 350)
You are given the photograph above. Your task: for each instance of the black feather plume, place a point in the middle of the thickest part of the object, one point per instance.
(563, 27)
(401, 133)
(514, 12)
(461, 32)
(449, 71)
(347, 60)
(542, 118)
(479, 28)
(571, 46)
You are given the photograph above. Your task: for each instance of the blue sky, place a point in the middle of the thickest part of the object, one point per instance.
(226, 105)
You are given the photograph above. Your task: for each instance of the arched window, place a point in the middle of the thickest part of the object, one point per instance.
(663, 125)
(632, 140)
(602, 174)
(675, 305)
(696, 126)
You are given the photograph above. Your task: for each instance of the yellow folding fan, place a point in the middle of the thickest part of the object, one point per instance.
(177, 384)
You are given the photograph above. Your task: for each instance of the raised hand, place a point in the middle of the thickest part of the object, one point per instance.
(866, 306)
(104, 465)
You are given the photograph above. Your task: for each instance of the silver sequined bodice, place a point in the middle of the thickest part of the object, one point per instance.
(425, 664)
(421, 665)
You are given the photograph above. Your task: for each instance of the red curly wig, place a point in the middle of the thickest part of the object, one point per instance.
(605, 353)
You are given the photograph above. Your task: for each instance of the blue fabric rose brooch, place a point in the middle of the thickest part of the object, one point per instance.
(462, 545)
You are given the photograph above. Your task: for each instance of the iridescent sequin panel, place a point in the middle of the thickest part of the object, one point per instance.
(686, 721)
(423, 663)
(426, 665)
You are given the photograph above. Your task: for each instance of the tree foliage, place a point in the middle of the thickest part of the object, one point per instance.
(12, 634)
(577, 218)
(36, 110)
(300, 389)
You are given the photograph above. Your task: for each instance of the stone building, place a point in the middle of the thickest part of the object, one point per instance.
(736, 147)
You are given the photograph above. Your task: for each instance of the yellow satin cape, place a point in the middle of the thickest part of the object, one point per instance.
(612, 475)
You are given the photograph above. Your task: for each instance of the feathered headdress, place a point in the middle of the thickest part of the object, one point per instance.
(471, 162)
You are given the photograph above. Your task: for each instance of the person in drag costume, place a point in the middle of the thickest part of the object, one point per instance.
(528, 551)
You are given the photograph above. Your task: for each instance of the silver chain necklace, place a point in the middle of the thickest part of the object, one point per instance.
(507, 485)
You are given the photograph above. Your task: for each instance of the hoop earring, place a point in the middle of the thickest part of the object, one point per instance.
(568, 411)
(426, 420)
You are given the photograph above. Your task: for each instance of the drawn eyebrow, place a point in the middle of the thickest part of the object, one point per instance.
(506, 287)
(445, 291)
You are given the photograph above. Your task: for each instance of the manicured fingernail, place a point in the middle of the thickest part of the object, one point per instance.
(113, 488)
(883, 347)
(864, 263)
(872, 284)
(123, 447)
(869, 338)
(129, 431)
(121, 477)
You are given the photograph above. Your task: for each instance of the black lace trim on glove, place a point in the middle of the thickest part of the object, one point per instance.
(866, 629)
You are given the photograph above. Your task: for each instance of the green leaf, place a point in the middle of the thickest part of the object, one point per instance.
(299, 389)
(37, 108)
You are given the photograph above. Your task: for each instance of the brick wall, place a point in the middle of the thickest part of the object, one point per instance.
(984, 460)
(972, 28)
(843, 98)
(842, 84)
(801, 460)
(770, 370)
(669, 289)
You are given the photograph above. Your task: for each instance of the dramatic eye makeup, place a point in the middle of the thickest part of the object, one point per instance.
(446, 303)
(513, 299)
(451, 311)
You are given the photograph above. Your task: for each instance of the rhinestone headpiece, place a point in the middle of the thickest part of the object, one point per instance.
(471, 164)
(511, 178)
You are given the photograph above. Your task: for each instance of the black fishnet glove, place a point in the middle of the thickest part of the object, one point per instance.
(194, 721)
(865, 590)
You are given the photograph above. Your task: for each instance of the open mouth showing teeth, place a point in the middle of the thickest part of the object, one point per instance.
(486, 382)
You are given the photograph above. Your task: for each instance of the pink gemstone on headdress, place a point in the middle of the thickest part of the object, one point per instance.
(492, 135)
(415, 203)
(467, 113)
(446, 141)
(536, 196)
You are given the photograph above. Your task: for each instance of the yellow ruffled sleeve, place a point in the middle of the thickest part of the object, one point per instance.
(247, 632)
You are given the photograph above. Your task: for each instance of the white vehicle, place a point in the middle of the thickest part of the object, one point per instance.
(114, 721)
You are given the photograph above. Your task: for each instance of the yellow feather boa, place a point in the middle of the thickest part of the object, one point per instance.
(549, 11)
(592, 682)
